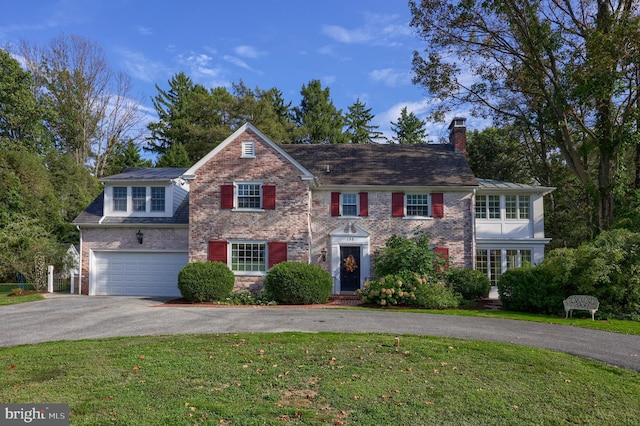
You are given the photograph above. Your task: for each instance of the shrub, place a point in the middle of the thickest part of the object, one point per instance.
(469, 283)
(530, 289)
(401, 255)
(388, 290)
(205, 281)
(296, 283)
(434, 294)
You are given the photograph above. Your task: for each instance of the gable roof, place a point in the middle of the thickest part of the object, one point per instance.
(384, 164)
(190, 174)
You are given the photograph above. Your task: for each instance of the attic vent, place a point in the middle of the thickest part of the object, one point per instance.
(248, 149)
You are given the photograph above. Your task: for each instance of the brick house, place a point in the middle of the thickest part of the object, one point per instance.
(251, 203)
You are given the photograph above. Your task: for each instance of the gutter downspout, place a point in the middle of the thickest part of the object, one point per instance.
(472, 209)
(80, 263)
(310, 250)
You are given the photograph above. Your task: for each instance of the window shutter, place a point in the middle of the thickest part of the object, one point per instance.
(437, 204)
(442, 253)
(218, 251)
(268, 197)
(364, 204)
(397, 204)
(335, 204)
(277, 253)
(226, 196)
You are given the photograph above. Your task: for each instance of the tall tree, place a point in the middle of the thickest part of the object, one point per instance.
(90, 105)
(191, 115)
(569, 65)
(125, 154)
(409, 128)
(496, 153)
(176, 156)
(358, 123)
(21, 115)
(318, 119)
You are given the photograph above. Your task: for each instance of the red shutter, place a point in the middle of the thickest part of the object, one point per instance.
(277, 253)
(364, 204)
(335, 204)
(268, 197)
(218, 251)
(226, 196)
(437, 204)
(442, 253)
(397, 204)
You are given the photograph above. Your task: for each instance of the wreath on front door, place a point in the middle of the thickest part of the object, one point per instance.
(350, 264)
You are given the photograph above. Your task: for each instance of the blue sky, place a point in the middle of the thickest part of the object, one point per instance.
(359, 49)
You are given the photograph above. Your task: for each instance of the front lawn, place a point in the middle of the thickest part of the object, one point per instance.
(7, 298)
(326, 378)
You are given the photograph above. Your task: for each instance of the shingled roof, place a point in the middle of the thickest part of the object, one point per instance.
(94, 214)
(384, 164)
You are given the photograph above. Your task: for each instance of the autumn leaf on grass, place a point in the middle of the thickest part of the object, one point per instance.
(12, 367)
(136, 367)
(141, 357)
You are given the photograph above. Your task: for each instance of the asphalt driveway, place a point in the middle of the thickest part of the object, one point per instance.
(72, 317)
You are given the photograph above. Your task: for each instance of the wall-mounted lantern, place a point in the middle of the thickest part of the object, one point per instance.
(323, 254)
(139, 236)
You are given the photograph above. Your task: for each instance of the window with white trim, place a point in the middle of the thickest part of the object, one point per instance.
(248, 195)
(417, 205)
(139, 198)
(487, 207)
(349, 204)
(249, 256)
(516, 206)
(120, 199)
(490, 261)
(157, 199)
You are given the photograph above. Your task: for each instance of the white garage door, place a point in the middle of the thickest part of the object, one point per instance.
(137, 274)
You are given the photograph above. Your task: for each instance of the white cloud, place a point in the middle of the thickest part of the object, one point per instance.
(344, 35)
(236, 61)
(391, 77)
(248, 52)
(140, 67)
(377, 29)
(145, 30)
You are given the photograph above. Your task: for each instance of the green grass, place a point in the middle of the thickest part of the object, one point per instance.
(315, 379)
(7, 299)
(578, 320)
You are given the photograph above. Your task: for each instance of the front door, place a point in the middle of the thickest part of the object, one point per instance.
(349, 268)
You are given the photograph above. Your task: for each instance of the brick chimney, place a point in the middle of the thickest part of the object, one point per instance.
(458, 135)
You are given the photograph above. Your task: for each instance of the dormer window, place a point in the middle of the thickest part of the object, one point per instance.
(248, 149)
(137, 200)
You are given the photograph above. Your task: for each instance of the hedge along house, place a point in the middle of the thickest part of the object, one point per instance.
(252, 203)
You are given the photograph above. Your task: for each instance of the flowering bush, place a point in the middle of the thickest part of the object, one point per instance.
(388, 290)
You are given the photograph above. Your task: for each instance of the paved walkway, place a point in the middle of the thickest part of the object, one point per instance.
(72, 317)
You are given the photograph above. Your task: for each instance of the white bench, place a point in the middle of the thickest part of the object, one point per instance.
(580, 302)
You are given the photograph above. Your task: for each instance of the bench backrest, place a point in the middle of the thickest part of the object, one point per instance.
(582, 301)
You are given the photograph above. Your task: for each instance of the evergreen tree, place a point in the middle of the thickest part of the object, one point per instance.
(176, 156)
(125, 155)
(409, 128)
(191, 115)
(318, 119)
(359, 127)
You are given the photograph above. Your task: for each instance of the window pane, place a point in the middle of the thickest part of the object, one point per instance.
(524, 207)
(511, 206)
(482, 262)
(349, 205)
(249, 196)
(481, 207)
(494, 207)
(157, 199)
(139, 198)
(495, 265)
(120, 199)
(248, 257)
(417, 204)
(512, 259)
(525, 256)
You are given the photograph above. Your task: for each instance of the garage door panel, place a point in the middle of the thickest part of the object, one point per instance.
(138, 274)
